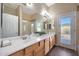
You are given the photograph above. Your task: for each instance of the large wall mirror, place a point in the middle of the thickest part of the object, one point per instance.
(14, 24)
(15, 20)
(9, 21)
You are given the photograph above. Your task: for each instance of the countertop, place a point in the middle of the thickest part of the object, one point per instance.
(18, 44)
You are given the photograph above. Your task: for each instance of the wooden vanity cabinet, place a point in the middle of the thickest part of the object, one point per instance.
(46, 46)
(19, 53)
(54, 40)
(29, 51)
(51, 42)
(40, 50)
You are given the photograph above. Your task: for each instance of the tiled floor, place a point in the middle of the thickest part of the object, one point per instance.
(60, 51)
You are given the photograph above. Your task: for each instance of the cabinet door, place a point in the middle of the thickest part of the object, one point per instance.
(46, 46)
(50, 42)
(19, 53)
(29, 51)
(40, 50)
(53, 40)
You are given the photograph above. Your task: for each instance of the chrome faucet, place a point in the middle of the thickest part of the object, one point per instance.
(24, 37)
(5, 43)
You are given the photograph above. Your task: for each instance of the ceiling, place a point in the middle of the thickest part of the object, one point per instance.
(62, 7)
(52, 8)
(37, 7)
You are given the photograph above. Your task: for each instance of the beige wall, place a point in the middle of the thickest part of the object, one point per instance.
(62, 8)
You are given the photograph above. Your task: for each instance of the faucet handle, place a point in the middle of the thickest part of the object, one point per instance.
(24, 37)
(5, 43)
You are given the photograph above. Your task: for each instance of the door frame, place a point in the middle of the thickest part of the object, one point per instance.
(73, 30)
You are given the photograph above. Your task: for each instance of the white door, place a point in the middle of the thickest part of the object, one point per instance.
(67, 35)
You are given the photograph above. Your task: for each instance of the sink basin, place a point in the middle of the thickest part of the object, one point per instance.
(30, 38)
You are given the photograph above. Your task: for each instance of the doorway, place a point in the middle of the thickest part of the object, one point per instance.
(66, 32)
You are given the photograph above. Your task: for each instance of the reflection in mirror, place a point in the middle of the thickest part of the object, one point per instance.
(32, 27)
(9, 22)
(44, 25)
(26, 27)
(49, 26)
(17, 21)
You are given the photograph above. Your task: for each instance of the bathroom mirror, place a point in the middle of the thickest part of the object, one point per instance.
(15, 22)
(9, 21)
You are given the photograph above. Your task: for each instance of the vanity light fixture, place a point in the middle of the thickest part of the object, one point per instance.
(44, 13)
(49, 4)
(29, 5)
